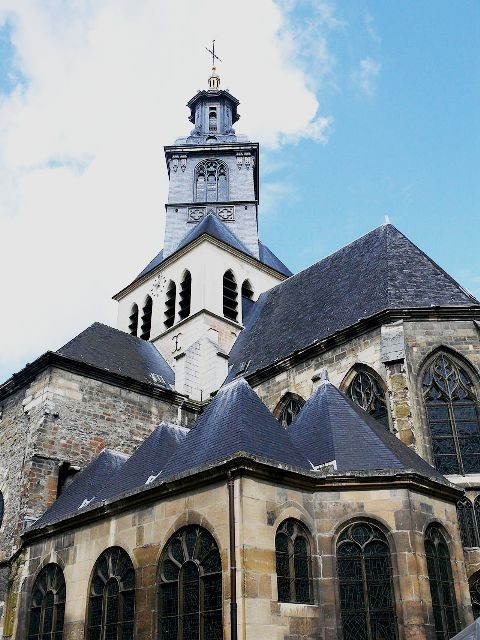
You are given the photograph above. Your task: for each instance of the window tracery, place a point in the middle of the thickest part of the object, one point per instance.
(293, 563)
(366, 587)
(211, 181)
(190, 587)
(468, 522)
(367, 393)
(441, 583)
(288, 408)
(453, 416)
(47, 607)
(111, 607)
(475, 595)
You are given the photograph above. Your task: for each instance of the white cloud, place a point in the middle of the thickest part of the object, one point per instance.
(365, 77)
(82, 175)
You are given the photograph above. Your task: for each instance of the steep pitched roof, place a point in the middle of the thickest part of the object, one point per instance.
(380, 271)
(118, 352)
(212, 226)
(147, 461)
(235, 421)
(331, 429)
(84, 487)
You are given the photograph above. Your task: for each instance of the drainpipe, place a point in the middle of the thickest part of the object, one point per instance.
(233, 563)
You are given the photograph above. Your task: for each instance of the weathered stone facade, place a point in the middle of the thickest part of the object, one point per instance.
(402, 510)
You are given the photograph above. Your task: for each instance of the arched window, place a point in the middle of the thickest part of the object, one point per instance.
(146, 319)
(453, 416)
(467, 523)
(366, 391)
(133, 320)
(185, 295)
(365, 579)
(211, 181)
(230, 296)
(190, 587)
(475, 594)
(111, 605)
(247, 299)
(212, 119)
(441, 583)
(288, 408)
(170, 298)
(47, 607)
(293, 563)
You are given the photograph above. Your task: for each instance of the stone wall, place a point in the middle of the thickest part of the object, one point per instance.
(402, 513)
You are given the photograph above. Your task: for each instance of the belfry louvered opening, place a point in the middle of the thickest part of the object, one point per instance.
(146, 319)
(185, 295)
(230, 296)
(170, 298)
(133, 320)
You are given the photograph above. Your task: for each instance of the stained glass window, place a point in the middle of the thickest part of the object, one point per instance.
(47, 607)
(475, 594)
(293, 564)
(190, 587)
(467, 522)
(288, 408)
(453, 416)
(441, 584)
(365, 390)
(365, 580)
(111, 607)
(211, 181)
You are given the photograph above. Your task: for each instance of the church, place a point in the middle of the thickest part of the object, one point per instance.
(250, 454)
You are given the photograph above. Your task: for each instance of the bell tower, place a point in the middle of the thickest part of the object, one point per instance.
(193, 299)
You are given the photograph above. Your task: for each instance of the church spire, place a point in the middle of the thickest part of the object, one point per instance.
(214, 79)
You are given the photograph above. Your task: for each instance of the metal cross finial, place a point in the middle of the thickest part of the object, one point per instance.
(214, 55)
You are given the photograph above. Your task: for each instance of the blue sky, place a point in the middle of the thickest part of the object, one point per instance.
(364, 109)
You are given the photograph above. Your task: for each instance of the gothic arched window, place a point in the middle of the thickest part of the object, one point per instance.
(185, 295)
(170, 298)
(288, 408)
(475, 594)
(366, 391)
(293, 563)
(230, 296)
(133, 320)
(467, 523)
(211, 181)
(453, 416)
(366, 588)
(146, 319)
(441, 583)
(190, 587)
(111, 604)
(47, 607)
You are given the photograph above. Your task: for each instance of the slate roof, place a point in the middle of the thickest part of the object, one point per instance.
(84, 487)
(118, 352)
(235, 421)
(331, 429)
(148, 460)
(381, 270)
(217, 229)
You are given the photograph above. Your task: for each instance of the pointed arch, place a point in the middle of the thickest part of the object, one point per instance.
(133, 320)
(146, 320)
(366, 388)
(440, 577)
(47, 605)
(293, 559)
(452, 411)
(365, 577)
(467, 523)
(170, 301)
(211, 181)
(190, 586)
(185, 295)
(247, 298)
(111, 602)
(288, 408)
(230, 296)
